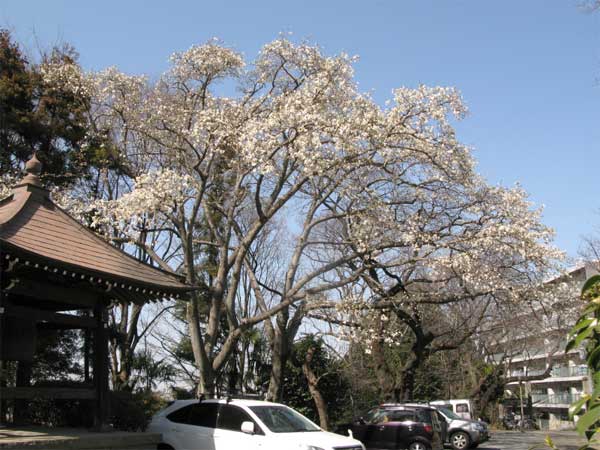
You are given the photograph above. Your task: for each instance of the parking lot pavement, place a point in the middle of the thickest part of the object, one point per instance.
(515, 440)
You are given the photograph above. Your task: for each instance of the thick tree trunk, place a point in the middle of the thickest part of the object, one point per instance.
(389, 388)
(123, 343)
(282, 341)
(233, 374)
(202, 342)
(407, 391)
(419, 351)
(313, 388)
(123, 380)
(279, 356)
(385, 377)
(206, 382)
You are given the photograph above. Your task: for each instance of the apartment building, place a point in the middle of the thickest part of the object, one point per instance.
(549, 397)
(548, 378)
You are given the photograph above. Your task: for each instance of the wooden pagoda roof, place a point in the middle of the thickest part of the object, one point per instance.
(34, 229)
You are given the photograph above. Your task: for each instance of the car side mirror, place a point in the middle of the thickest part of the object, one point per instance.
(248, 427)
(361, 421)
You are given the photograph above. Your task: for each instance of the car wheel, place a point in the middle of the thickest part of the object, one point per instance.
(460, 440)
(418, 446)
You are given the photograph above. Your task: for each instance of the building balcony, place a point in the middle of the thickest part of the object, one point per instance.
(572, 371)
(557, 372)
(564, 398)
(535, 355)
(526, 373)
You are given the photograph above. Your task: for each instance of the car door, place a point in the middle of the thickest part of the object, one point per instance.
(175, 425)
(397, 430)
(198, 432)
(368, 429)
(228, 434)
(439, 432)
(357, 428)
(443, 421)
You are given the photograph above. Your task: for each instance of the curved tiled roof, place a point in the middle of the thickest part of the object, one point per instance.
(31, 222)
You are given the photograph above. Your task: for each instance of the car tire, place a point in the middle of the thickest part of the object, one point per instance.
(418, 446)
(460, 440)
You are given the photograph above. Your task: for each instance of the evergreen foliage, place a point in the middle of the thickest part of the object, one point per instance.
(587, 331)
(45, 118)
(332, 384)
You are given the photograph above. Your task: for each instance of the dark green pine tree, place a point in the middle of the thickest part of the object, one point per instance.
(35, 116)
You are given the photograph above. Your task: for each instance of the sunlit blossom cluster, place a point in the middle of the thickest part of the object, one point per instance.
(7, 182)
(200, 61)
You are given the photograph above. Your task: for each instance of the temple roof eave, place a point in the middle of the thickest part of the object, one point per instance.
(33, 227)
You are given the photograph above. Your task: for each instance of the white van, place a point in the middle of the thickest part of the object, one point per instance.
(462, 408)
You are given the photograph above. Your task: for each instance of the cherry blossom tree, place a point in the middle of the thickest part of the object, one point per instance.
(380, 197)
(459, 247)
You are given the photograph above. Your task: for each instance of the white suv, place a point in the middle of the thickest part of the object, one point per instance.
(241, 424)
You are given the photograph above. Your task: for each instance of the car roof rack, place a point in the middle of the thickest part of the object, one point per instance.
(407, 405)
(233, 395)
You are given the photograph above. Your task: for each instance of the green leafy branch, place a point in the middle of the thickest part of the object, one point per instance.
(587, 331)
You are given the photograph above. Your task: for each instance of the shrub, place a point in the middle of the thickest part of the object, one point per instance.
(133, 411)
(59, 413)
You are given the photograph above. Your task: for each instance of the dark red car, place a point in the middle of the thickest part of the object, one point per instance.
(397, 426)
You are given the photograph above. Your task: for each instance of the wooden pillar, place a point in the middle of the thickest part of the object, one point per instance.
(2, 385)
(23, 380)
(100, 367)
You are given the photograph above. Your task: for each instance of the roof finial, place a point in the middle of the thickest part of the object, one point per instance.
(33, 168)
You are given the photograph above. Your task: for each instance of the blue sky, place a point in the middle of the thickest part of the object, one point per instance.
(527, 69)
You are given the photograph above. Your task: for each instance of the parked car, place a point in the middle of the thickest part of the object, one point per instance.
(463, 434)
(241, 424)
(460, 407)
(399, 426)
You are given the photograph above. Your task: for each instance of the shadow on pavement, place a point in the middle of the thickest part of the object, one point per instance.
(504, 440)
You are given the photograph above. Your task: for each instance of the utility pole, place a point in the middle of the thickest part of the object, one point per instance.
(521, 427)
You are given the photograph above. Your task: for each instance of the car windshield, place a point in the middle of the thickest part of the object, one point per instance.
(281, 419)
(449, 414)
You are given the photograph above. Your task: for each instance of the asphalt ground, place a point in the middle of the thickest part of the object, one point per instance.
(515, 440)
